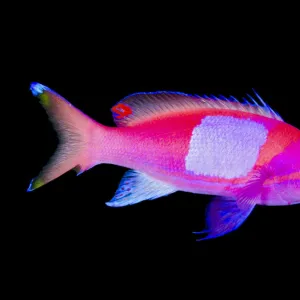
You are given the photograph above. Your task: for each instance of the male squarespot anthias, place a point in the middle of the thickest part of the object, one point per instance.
(241, 153)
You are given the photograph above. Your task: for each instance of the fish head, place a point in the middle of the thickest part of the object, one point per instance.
(286, 170)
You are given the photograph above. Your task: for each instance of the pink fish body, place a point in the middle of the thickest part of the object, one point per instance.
(243, 154)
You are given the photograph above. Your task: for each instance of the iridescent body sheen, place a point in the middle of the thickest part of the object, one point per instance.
(243, 154)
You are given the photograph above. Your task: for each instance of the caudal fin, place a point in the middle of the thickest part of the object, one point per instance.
(75, 131)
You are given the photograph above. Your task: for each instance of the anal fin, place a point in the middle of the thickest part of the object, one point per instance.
(223, 215)
(136, 187)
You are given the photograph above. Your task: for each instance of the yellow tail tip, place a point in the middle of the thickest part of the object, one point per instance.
(44, 99)
(34, 184)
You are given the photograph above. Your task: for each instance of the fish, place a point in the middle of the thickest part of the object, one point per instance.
(240, 152)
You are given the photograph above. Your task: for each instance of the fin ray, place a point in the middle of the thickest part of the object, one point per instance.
(224, 216)
(73, 129)
(251, 193)
(136, 187)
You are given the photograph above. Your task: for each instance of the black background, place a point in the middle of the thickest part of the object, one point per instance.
(71, 212)
(65, 226)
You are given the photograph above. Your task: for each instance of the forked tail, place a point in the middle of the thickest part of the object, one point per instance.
(78, 137)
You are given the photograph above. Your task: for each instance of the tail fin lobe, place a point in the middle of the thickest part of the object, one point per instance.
(74, 130)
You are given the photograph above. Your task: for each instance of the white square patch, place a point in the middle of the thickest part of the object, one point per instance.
(225, 147)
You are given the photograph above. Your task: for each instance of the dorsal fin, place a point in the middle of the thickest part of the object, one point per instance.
(139, 107)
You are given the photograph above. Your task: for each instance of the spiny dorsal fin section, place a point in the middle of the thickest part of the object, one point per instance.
(137, 108)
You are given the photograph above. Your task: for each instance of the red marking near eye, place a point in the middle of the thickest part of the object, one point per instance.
(122, 110)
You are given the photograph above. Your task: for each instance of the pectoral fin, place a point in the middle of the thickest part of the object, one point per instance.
(251, 193)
